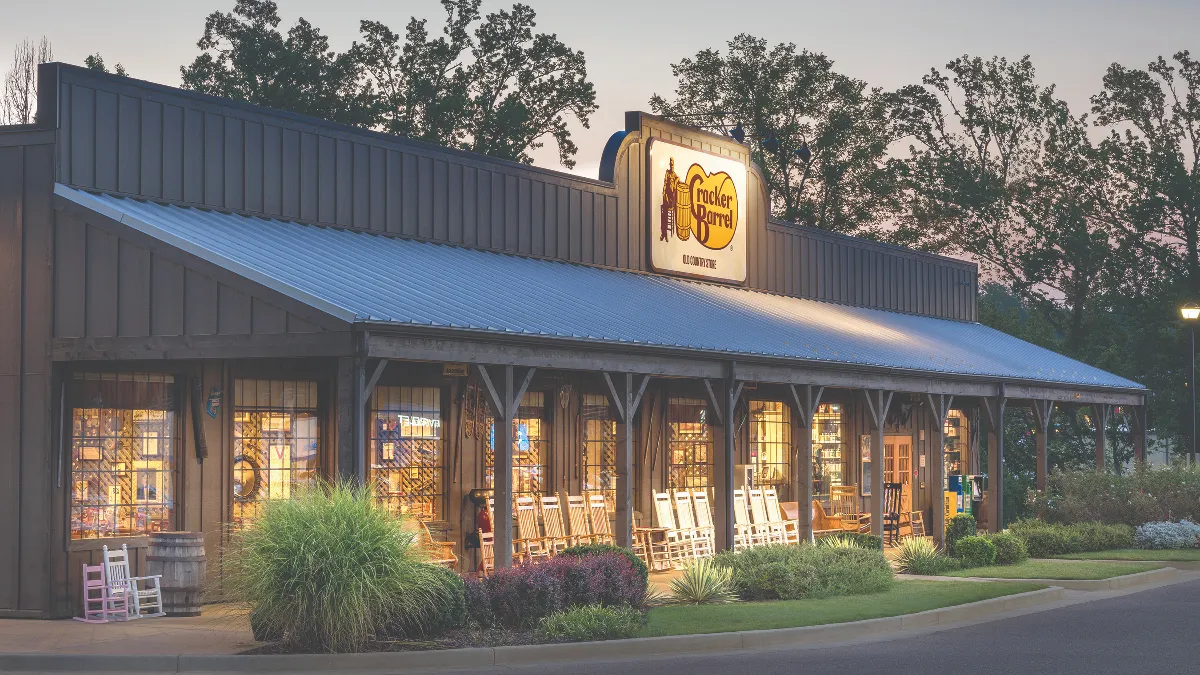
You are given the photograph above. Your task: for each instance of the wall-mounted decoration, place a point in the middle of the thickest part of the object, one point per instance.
(213, 406)
(454, 369)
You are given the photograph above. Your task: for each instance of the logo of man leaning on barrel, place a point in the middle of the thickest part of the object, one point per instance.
(700, 204)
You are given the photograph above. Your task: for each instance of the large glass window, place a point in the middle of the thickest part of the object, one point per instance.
(276, 441)
(689, 445)
(957, 432)
(599, 448)
(529, 447)
(122, 454)
(771, 445)
(406, 449)
(828, 446)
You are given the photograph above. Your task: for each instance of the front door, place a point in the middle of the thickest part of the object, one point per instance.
(897, 467)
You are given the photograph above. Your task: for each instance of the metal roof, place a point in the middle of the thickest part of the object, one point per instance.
(365, 277)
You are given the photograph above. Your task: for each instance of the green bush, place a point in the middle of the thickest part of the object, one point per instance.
(1043, 539)
(703, 583)
(449, 614)
(918, 555)
(329, 570)
(1146, 495)
(975, 551)
(583, 624)
(597, 549)
(962, 525)
(806, 571)
(1010, 550)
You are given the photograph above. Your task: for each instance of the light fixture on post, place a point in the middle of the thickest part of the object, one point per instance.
(771, 144)
(804, 153)
(1191, 313)
(738, 133)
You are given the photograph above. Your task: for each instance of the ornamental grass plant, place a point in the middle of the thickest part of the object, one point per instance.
(780, 572)
(589, 623)
(329, 570)
(920, 555)
(703, 583)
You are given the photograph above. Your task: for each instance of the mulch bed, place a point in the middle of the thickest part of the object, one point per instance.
(457, 639)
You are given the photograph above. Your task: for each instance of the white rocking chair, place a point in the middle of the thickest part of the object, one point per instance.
(145, 592)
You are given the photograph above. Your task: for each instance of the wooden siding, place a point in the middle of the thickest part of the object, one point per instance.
(26, 181)
(150, 141)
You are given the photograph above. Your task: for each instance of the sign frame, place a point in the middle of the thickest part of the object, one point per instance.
(651, 217)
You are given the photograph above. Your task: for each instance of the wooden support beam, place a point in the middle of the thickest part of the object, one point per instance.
(733, 392)
(806, 398)
(939, 408)
(993, 409)
(879, 401)
(505, 397)
(373, 380)
(626, 400)
(715, 402)
(1043, 410)
(1101, 412)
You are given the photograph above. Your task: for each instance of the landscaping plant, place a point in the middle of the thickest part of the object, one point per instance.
(1145, 495)
(329, 571)
(961, 525)
(806, 571)
(975, 551)
(1043, 539)
(1010, 550)
(703, 583)
(596, 549)
(1168, 535)
(920, 555)
(589, 623)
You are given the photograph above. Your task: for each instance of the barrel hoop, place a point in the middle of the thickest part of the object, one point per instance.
(164, 558)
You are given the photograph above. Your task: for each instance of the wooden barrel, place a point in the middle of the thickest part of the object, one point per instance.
(179, 558)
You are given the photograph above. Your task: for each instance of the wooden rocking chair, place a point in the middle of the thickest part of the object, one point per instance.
(601, 528)
(100, 603)
(679, 544)
(577, 516)
(893, 493)
(145, 592)
(843, 500)
(487, 552)
(824, 525)
(791, 529)
(701, 545)
(704, 518)
(529, 542)
(771, 528)
(552, 520)
(745, 533)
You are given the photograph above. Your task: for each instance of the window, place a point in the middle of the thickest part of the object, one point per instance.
(276, 441)
(689, 445)
(406, 450)
(529, 440)
(599, 448)
(828, 444)
(957, 432)
(771, 445)
(122, 454)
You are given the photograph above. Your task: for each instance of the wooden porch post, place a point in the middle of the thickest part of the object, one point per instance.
(1042, 412)
(505, 402)
(878, 403)
(350, 435)
(806, 398)
(724, 410)
(994, 410)
(1137, 424)
(625, 401)
(939, 407)
(1100, 415)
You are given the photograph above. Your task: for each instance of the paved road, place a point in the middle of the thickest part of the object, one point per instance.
(1153, 632)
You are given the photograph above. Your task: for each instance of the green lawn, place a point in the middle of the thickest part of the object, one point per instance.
(905, 597)
(1052, 569)
(1177, 555)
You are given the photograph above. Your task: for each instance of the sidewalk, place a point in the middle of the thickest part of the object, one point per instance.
(223, 629)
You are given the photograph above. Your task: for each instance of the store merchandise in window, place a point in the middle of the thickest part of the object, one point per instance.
(122, 454)
(689, 445)
(957, 435)
(599, 448)
(406, 450)
(530, 435)
(828, 449)
(276, 443)
(771, 446)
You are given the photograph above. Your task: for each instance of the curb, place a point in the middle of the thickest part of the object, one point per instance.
(481, 657)
(1111, 584)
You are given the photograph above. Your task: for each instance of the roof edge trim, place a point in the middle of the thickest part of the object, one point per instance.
(90, 203)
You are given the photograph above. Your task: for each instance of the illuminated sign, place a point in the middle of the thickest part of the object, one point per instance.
(697, 212)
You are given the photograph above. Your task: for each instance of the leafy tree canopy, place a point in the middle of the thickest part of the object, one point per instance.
(96, 62)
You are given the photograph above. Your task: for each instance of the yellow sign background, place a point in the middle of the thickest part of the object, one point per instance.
(714, 207)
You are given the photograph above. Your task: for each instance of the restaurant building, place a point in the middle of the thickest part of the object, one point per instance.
(205, 305)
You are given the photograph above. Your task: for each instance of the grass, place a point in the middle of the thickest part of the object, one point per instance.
(905, 597)
(1050, 569)
(1168, 555)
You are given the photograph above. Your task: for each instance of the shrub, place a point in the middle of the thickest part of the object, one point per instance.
(520, 596)
(448, 614)
(479, 605)
(703, 583)
(852, 540)
(596, 549)
(1168, 535)
(918, 555)
(580, 624)
(1043, 540)
(1010, 550)
(962, 525)
(1146, 495)
(975, 551)
(329, 571)
(838, 541)
(606, 579)
(806, 571)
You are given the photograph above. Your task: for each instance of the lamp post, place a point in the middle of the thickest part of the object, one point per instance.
(1190, 313)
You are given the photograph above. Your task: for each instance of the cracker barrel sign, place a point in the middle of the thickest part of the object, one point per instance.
(697, 212)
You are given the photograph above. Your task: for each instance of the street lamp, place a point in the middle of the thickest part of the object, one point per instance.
(1190, 313)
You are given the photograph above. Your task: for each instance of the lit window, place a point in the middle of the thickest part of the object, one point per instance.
(276, 441)
(122, 454)
(771, 445)
(529, 440)
(689, 445)
(406, 450)
(599, 448)
(827, 449)
(957, 432)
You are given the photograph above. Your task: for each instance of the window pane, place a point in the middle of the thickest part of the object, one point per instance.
(957, 440)
(276, 443)
(406, 450)
(828, 444)
(770, 445)
(689, 445)
(122, 454)
(530, 439)
(599, 448)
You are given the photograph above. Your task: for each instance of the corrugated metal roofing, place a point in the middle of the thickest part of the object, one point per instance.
(366, 277)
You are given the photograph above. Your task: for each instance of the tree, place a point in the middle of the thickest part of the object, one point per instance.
(999, 169)
(788, 100)
(497, 89)
(18, 99)
(245, 57)
(96, 62)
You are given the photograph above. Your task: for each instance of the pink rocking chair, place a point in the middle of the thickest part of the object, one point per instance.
(100, 604)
